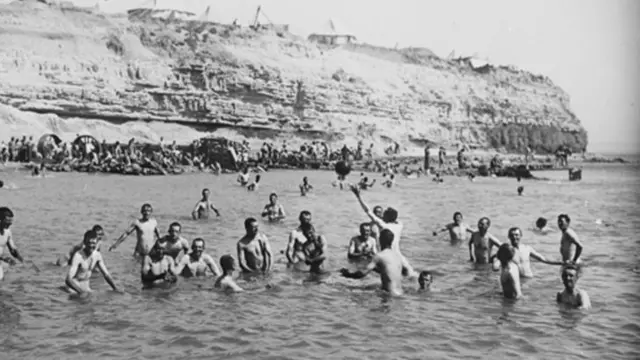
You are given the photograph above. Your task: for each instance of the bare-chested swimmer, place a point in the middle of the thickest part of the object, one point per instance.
(66, 259)
(203, 207)
(146, 229)
(157, 268)
(388, 263)
(457, 229)
(83, 263)
(295, 246)
(6, 219)
(173, 243)
(425, 280)
(362, 246)
(314, 250)
(523, 253)
(305, 187)
(375, 229)
(570, 245)
(197, 262)
(225, 282)
(509, 273)
(243, 177)
(481, 243)
(389, 221)
(254, 251)
(274, 211)
(364, 183)
(572, 295)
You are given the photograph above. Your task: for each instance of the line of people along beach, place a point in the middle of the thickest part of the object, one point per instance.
(376, 248)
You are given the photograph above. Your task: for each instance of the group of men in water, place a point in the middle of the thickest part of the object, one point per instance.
(377, 247)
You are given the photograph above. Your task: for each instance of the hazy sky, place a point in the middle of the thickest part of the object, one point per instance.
(590, 48)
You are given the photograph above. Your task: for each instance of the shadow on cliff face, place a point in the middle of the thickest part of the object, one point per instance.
(540, 138)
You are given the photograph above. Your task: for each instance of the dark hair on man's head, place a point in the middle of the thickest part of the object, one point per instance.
(97, 228)
(248, 221)
(175, 223)
(386, 238)
(456, 214)
(565, 217)
(90, 234)
(541, 222)
(304, 213)
(390, 215)
(5, 212)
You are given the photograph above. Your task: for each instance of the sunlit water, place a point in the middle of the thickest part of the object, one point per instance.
(334, 318)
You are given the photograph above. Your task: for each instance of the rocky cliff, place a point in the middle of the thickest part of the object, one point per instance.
(269, 84)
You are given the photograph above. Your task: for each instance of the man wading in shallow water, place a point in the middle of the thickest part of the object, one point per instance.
(572, 296)
(523, 254)
(457, 229)
(83, 263)
(146, 229)
(254, 251)
(6, 219)
(481, 243)
(203, 207)
(197, 262)
(389, 221)
(570, 245)
(157, 268)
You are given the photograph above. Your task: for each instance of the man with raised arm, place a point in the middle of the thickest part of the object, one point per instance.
(524, 253)
(204, 206)
(6, 220)
(197, 262)
(254, 251)
(457, 229)
(84, 262)
(570, 245)
(389, 221)
(481, 243)
(146, 229)
(388, 263)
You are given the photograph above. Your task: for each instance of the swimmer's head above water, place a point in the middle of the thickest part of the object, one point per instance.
(514, 234)
(174, 230)
(197, 246)
(305, 218)
(227, 263)
(99, 231)
(386, 239)
(425, 279)
(390, 215)
(146, 210)
(483, 224)
(570, 276)
(365, 230)
(90, 241)
(457, 217)
(6, 217)
(541, 223)
(273, 198)
(377, 211)
(251, 226)
(505, 254)
(205, 194)
(563, 221)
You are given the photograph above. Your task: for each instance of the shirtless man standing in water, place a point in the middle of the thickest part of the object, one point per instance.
(509, 273)
(295, 247)
(570, 245)
(457, 229)
(197, 262)
(83, 263)
(274, 211)
(572, 296)
(6, 219)
(173, 243)
(203, 208)
(157, 268)
(146, 229)
(481, 243)
(225, 282)
(67, 258)
(388, 263)
(523, 254)
(314, 250)
(389, 221)
(254, 251)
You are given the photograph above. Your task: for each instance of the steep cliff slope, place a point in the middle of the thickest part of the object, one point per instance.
(261, 84)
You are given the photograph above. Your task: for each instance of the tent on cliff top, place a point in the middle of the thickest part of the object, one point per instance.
(332, 33)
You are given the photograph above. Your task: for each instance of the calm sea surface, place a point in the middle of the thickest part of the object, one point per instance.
(332, 318)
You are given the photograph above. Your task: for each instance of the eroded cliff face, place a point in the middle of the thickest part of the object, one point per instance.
(260, 84)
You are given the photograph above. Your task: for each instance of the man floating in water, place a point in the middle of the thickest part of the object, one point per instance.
(254, 251)
(523, 253)
(481, 243)
(457, 229)
(146, 229)
(570, 245)
(389, 221)
(509, 273)
(362, 246)
(572, 296)
(388, 263)
(83, 263)
(305, 187)
(274, 211)
(157, 268)
(6, 220)
(225, 282)
(203, 207)
(197, 262)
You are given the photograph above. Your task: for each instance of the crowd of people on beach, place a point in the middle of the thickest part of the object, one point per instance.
(165, 258)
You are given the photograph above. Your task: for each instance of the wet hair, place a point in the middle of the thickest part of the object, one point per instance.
(390, 215)
(575, 267)
(248, 221)
(386, 238)
(456, 214)
(175, 223)
(513, 229)
(88, 235)
(205, 189)
(193, 243)
(377, 207)
(304, 213)
(5, 212)
(505, 253)
(564, 216)
(97, 228)
(226, 262)
(364, 224)
(485, 218)
(424, 274)
(272, 195)
(541, 222)
(146, 205)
